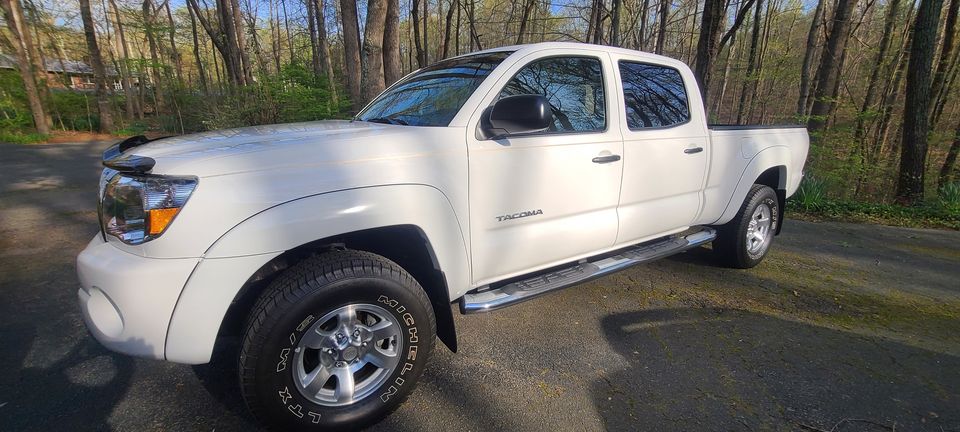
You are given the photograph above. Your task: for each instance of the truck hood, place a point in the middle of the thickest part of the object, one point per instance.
(267, 147)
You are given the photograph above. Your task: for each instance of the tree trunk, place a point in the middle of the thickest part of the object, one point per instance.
(916, 126)
(426, 32)
(943, 65)
(474, 36)
(36, 56)
(615, 22)
(241, 41)
(351, 50)
(99, 73)
(149, 29)
(392, 63)
(274, 34)
(221, 40)
(326, 60)
(131, 102)
(13, 14)
(751, 61)
(372, 81)
(873, 84)
(415, 22)
(831, 63)
(196, 51)
(662, 17)
(946, 171)
(809, 52)
(710, 26)
(448, 26)
(892, 94)
(642, 32)
(312, 30)
(523, 20)
(174, 54)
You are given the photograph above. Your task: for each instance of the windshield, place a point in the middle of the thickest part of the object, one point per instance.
(432, 96)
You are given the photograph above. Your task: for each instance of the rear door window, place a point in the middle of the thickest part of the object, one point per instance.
(654, 96)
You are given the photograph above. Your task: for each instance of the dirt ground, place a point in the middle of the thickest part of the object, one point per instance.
(844, 327)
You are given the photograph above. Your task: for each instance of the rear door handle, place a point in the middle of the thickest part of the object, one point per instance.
(606, 159)
(693, 150)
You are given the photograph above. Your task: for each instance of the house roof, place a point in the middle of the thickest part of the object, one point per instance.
(54, 65)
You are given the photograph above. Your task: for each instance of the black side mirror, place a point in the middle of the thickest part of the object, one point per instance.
(514, 115)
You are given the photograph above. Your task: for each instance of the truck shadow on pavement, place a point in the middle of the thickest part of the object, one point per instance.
(724, 369)
(77, 388)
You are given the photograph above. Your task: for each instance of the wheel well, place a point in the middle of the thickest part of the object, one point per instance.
(776, 178)
(405, 245)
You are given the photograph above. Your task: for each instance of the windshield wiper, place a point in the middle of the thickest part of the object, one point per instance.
(388, 120)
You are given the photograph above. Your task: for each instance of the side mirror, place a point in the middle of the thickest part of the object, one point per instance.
(517, 115)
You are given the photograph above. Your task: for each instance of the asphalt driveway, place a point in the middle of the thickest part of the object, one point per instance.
(844, 327)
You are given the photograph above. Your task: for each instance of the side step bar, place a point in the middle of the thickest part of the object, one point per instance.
(487, 299)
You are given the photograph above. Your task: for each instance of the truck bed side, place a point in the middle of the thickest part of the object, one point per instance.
(740, 154)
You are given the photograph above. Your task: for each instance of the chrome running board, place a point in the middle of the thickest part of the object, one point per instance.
(489, 298)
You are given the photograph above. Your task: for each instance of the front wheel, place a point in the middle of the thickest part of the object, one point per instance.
(746, 239)
(337, 341)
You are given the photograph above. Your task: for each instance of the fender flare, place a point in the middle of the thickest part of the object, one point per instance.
(230, 262)
(765, 159)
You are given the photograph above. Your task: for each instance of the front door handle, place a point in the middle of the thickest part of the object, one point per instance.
(606, 159)
(693, 150)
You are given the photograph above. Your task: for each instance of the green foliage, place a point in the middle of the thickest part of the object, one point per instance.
(16, 137)
(75, 110)
(133, 128)
(811, 201)
(14, 112)
(811, 194)
(294, 95)
(948, 200)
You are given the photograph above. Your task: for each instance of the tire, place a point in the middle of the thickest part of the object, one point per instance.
(300, 328)
(732, 247)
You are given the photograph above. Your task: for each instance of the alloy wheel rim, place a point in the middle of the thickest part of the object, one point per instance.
(759, 230)
(347, 354)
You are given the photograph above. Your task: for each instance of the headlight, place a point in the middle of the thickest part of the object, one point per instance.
(139, 208)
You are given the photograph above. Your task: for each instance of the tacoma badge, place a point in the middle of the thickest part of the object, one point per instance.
(522, 214)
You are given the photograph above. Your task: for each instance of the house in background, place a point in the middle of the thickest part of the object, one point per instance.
(69, 74)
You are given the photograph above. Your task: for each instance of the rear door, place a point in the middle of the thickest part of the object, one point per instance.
(539, 200)
(665, 149)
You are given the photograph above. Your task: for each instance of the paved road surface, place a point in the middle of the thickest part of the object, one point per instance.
(843, 323)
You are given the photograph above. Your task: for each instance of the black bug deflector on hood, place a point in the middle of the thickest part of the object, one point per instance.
(113, 156)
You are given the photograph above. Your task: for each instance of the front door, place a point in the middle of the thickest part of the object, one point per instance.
(546, 198)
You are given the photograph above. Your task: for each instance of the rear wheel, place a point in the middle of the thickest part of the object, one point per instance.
(746, 239)
(337, 341)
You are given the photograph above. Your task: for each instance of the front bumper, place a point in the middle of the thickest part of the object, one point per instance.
(127, 300)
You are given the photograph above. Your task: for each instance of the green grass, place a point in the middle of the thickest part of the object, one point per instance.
(811, 201)
(929, 215)
(22, 138)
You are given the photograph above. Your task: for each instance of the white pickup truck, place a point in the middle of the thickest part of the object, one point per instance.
(336, 249)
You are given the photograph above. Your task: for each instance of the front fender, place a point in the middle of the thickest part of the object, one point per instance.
(232, 259)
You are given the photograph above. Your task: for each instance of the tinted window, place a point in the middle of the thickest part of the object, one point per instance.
(574, 87)
(435, 94)
(654, 95)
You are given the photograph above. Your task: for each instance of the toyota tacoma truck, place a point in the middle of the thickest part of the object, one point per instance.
(337, 251)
